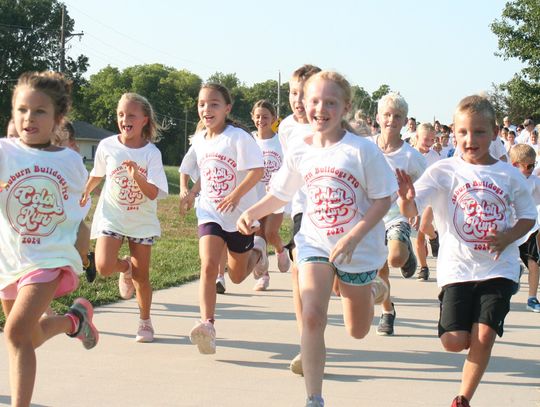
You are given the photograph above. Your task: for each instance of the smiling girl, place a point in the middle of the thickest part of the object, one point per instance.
(349, 185)
(127, 206)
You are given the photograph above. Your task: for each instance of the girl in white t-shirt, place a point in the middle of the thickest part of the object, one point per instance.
(349, 187)
(230, 164)
(39, 217)
(127, 206)
(263, 115)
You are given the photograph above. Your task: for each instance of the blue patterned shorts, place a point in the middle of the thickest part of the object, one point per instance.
(357, 279)
(399, 231)
(148, 241)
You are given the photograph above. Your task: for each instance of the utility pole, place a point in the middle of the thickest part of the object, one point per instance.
(278, 93)
(63, 38)
(185, 130)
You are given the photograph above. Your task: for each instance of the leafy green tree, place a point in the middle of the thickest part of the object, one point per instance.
(30, 41)
(518, 32)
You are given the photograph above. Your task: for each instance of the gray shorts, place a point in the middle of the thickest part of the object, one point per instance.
(399, 231)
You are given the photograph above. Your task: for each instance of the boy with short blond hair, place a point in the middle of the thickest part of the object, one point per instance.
(392, 115)
(523, 157)
(482, 207)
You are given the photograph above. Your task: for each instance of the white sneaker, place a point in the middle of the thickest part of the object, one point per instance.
(262, 283)
(203, 335)
(283, 261)
(220, 284)
(379, 288)
(145, 333)
(125, 281)
(261, 267)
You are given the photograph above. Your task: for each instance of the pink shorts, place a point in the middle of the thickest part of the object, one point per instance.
(68, 282)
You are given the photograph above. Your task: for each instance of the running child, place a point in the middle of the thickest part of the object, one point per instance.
(263, 115)
(127, 206)
(39, 217)
(392, 115)
(230, 165)
(481, 207)
(349, 187)
(523, 157)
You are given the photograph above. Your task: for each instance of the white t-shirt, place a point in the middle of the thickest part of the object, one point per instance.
(40, 211)
(342, 180)
(468, 201)
(122, 207)
(189, 165)
(523, 136)
(410, 160)
(273, 158)
(497, 148)
(291, 134)
(224, 162)
(431, 157)
(533, 182)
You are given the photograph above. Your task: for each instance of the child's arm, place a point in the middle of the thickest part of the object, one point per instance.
(343, 251)
(187, 196)
(91, 184)
(230, 202)
(498, 241)
(151, 191)
(269, 204)
(406, 194)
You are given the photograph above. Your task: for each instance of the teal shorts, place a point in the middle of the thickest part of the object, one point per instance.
(357, 279)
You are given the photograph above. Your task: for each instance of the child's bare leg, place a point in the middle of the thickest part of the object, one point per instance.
(82, 244)
(482, 340)
(107, 261)
(297, 300)
(223, 262)
(24, 332)
(426, 223)
(210, 251)
(357, 304)
(271, 231)
(315, 282)
(533, 278)
(241, 264)
(421, 249)
(140, 260)
(384, 274)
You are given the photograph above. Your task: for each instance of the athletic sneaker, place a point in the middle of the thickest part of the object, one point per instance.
(261, 267)
(145, 333)
(434, 243)
(90, 269)
(125, 281)
(296, 365)
(460, 401)
(386, 323)
(262, 283)
(283, 261)
(423, 274)
(379, 288)
(203, 335)
(220, 284)
(409, 268)
(314, 401)
(533, 305)
(87, 332)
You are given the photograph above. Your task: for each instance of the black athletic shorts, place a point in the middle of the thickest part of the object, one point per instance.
(236, 241)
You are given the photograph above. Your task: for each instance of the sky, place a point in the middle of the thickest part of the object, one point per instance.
(433, 52)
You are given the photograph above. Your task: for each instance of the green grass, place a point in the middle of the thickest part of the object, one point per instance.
(175, 256)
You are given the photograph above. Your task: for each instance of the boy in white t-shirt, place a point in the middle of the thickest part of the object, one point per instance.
(392, 115)
(481, 207)
(523, 157)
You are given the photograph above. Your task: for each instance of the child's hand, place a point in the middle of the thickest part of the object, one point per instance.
(246, 225)
(228, 204)
(405, 185)
(131, 166)
(343, 250)
(415, 222)
(497, 241)
(187, 201)
(84, 199)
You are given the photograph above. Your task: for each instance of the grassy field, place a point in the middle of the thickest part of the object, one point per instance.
(175, 257)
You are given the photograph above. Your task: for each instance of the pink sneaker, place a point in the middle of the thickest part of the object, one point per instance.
(262, 283)
(87, 332)
(125, 281)
(203, 335)
(145, 333)
(283, 261)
